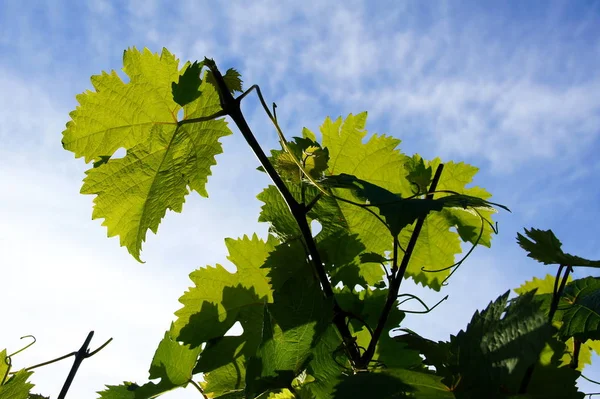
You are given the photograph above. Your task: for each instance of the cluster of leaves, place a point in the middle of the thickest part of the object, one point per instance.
(384, 216)
(532, 348)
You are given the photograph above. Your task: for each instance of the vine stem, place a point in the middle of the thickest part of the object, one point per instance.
(199, 388)
(231, 107)
(82, 354)
(558, 292)
(398, 275)
(68, 355)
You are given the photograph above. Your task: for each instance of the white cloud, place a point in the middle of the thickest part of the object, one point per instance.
(507, 123)
(29, 118)
(452, 86)
(464, 95)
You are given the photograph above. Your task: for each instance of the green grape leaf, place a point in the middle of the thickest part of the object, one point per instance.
(163, 157)
(340, 246)
(173, 361)
(593, 345)
(391, 384)
(436, 354)
(585, 353)
(338, 249)
(187, 89)
(340, 255)
(232, 80)
(217, 301)
(304, 150)
(17, 387)
(4, 365)
(307, 134)
(292, 324)
(543, 290)
(327, 364)
(314, 158)
(423, 385)
(228, 380)
(550, 382)
(418, 173)
(287, 167)
(544, 247)
(579, 309)
(553, 377)
(507, 344)
(455, 177)
(558, 353)
(121, 123)
(248, 255)
(578, 313)
(586, 350)
(542, 286)
(287, 341)
(553, 353)
(438, 245)
(305, 322)
(276, 212)
(378, 172)
(435, 250)
(378, 162)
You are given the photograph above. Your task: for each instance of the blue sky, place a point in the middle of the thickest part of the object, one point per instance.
(513, 89)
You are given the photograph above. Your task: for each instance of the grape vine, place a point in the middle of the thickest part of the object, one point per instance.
(317, 309)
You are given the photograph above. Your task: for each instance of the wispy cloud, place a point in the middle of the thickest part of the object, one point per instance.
(514, 90)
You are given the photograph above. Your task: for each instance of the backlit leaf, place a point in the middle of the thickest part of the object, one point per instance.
(543, 246)
(542, 286)
(173, 361)
(17, 387)
(508, 339)
(163, 158)
(187, 89)
(579, 309)
(219, 299)
(376, 171)
(418, 173)
(232, 80)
